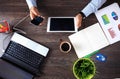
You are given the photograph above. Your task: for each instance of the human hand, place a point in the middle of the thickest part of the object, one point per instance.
(34, 12)
(78, 20)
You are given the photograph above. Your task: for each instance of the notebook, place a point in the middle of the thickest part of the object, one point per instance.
(98, 36)
(88, 40)
(61, 24)
(25, 53)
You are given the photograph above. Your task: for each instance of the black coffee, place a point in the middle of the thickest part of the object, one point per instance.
(65, 47)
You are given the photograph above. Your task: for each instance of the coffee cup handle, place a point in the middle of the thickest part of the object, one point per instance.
(61, 40)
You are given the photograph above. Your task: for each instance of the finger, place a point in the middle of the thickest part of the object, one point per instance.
(41, 24)
(36, 12)
(78, 20)
(32, 16)
(78, 23)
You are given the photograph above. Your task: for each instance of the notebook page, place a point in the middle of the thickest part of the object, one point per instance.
(80, 43)
(96, 37)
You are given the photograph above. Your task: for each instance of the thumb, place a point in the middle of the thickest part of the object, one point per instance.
(36, 12)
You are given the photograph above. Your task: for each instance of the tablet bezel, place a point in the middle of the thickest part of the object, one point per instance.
(49, 20)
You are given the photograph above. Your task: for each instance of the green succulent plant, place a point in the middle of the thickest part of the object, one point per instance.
(84, 68)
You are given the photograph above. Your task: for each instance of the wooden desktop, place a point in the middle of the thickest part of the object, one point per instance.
(58, 65)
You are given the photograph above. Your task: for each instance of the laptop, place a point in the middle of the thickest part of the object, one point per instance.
(61, 24)
(25, 53)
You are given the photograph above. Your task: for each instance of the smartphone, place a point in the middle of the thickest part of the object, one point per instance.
(37, 20)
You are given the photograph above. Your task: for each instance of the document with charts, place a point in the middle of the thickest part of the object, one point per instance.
(109, 19)
(88, 40)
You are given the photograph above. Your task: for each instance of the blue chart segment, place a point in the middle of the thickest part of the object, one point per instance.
(114, 15)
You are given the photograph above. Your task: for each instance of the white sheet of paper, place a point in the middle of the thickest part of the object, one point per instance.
(4, 40)
(108, 23)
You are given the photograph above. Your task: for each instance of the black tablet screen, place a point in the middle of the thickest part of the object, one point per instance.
(62, 24)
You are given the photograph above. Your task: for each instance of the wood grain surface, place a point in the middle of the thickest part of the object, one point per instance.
(58, 65)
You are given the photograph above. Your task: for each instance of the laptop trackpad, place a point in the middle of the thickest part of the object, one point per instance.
(9, 71)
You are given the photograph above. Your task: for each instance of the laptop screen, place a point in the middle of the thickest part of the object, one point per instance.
(61, 24)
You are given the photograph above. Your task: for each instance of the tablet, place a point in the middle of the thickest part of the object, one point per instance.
(61, 24)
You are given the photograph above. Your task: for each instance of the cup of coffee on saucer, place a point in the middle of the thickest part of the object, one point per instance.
(65, 46)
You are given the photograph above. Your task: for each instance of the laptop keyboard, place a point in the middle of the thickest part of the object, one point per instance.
(24, 54)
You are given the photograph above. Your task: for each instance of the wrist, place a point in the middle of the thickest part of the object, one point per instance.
(31, 3)
(33, 7)
(83, 15)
